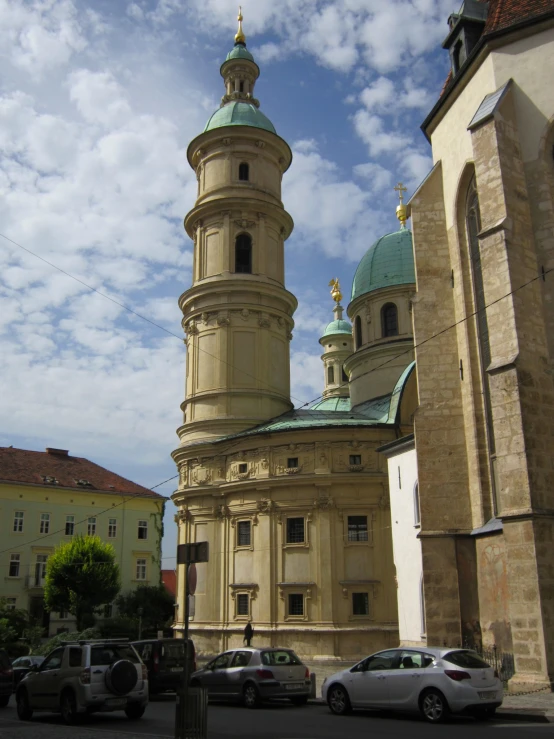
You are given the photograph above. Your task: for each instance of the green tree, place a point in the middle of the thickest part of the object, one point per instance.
(156, 603)
(81, 576)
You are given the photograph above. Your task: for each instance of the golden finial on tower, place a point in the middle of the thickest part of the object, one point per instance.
(335, 292)
(401, 212)
(240, 38)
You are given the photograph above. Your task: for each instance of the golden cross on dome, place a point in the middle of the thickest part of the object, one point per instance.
(400, 189)
(240, 38)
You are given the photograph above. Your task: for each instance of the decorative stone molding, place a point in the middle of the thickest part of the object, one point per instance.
(384, 502)
(324, 503)
(265, 505)
(289, 335)
(191, 327)
(292, 470)
(244, 223)
(223, 319)
(244, 314)
(264, 320)
(202, 475)
(226, 141)
(220, 511)
(260, 144)
(183, 514)
(356, 467)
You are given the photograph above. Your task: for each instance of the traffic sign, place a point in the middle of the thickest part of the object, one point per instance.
(189, 553)
(193, 578)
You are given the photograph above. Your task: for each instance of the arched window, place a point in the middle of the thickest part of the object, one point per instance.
(243, 254)
(417, 515)
(244, 172)
(389, 320)
(358, 329)
(241, 87)
(344, 376)
(330, 374)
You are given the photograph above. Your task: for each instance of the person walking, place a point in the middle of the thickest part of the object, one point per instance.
(248, 633)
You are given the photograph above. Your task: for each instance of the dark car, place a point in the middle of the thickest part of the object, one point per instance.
(165, 659)
(22, 665)
(6, 678)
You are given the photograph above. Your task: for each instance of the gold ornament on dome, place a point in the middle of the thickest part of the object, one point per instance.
(240, 38)
(335, 290)
(401, 212)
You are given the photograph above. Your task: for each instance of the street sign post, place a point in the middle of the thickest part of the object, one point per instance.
(188, 555)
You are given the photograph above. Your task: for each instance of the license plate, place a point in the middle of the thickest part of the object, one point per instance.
(487, 696)
(117, 701)
(294, 686)
(176, 669)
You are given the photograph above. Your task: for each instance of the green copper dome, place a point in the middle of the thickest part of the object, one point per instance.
(338, 327)
(390, 261)
(239, 114)
(240, 52)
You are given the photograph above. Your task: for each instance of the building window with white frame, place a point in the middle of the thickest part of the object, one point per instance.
(40, 569)
(44, 523)
(91, 526)
(141, 569)
(243, 604)
(15, 560)
(143, 529)
(18, 519)
(295, 530)
(360, 604)
(244, 533)
(357, 528)
(112, 528)
(296, 604)
(69, 525)
(11, 604)
(417, 514)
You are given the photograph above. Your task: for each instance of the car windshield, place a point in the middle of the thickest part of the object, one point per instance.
(173, 651)
(466, 659)
(280, 657)
(110, 653)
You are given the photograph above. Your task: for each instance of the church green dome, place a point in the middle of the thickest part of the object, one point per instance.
(240, 52)
(390, 261)
(239, 114)
(338, 327)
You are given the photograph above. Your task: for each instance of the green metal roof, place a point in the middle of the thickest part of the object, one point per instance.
(239, 52)
(396, 396)
(239, 114)
(337, 403)
(340, 326)
(390, 261)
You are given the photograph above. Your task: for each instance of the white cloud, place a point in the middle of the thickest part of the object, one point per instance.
(377, 177)
(306, 372)
(378, 134)
(98, 97)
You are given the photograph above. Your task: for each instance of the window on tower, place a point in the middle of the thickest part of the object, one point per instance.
(330, 374)
(244, 172)
(389, 320)
(358, 329)
(243, 254)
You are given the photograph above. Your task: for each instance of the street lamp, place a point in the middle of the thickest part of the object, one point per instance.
(140, 611)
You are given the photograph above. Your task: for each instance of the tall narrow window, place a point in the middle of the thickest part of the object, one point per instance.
(389, 320)
(244, 535)
(44, 523)
(18, 522)
(69, 525)
(243, 604)
(360, 604)
(10, 604)
(112, 528)
(143, 529)
(40, 569)
(244, 172)
(295, 530)
(417, 515)
(91, 526)
(141, 569)
(358, 330)
(14, 565)
(243, 254)
(357, 528)
(330, 374)
(296, 604)
(344, 375)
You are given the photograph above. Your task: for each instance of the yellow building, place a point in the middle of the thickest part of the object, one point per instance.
(294, 503)
(46, 498)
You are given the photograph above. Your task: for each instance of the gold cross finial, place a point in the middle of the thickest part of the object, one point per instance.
(240, 38)
(401, 212)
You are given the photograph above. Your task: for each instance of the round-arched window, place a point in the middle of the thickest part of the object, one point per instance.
(243, 254)
(389, 320)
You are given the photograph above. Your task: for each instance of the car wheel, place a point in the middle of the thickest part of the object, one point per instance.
(433, 706)
(135, 711)
(251, 696)
(299, 700)
(24, 710)
(4, 700)
(484, 714)
(68, 708)
(338, 700)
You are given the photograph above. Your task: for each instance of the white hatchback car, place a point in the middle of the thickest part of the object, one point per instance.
(434, 681)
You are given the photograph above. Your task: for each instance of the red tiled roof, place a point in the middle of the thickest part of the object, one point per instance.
(169, 579)
(505, 13)
(24, 466)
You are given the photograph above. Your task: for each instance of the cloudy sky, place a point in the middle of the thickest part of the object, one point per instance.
(98, 102)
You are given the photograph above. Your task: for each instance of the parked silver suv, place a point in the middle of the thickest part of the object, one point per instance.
(83, 677)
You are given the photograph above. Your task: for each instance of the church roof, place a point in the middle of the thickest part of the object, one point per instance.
(340, 326)
(336, 403)
(389, 261)
(55, 468)
(239, 52)
(239, 113)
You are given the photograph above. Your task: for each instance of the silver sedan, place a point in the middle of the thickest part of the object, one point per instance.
(433, 681)
(254, 675)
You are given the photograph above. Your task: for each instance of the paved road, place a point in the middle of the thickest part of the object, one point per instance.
(277, 721)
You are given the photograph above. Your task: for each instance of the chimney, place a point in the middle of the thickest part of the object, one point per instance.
(57, 452)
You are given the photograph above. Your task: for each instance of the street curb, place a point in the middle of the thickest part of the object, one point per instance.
(523, 714)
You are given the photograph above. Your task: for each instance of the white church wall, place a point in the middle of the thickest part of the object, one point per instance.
(406, 546)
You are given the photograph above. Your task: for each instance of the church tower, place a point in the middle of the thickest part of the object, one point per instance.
(337, 346)
(237, 315)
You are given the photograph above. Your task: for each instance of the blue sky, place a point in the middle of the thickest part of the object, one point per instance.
(98, 102)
